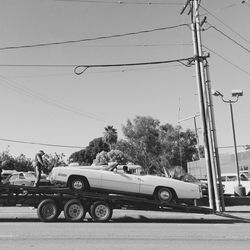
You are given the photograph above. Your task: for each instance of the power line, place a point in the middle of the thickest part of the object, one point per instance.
(97, 72)
(135, 45)
(227, 36)
(42, 144)
(85, 67)
(77, 66)
(121, 2)
(226, 60)
(235, 32)
(28, 92)
(91, 39)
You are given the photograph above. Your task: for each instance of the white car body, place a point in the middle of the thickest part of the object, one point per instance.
(229, 180)
(21, 178)
(120, 182)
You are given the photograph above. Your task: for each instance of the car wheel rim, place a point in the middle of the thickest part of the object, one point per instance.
(101, 211)
(164, 195)
(78, 185)
(75, 211)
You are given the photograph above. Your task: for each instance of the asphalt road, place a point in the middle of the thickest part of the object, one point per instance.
(20, 229)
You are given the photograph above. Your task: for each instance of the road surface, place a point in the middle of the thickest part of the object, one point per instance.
(20, 229)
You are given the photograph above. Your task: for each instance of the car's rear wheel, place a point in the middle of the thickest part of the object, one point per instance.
(164, 195)
(47, 210)
(74, 210)
(101, 211)
(78, 184)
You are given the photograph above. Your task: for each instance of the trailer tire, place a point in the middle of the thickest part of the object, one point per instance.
(47, 210)
(78, 183)
(74, 210)
(164, 195)
(101, 211)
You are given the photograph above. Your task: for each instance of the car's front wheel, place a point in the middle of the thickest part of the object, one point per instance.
(164, 195)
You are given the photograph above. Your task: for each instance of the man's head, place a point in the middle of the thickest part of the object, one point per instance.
(41, 152)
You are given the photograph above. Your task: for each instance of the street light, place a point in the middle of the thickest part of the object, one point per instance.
(239, 189)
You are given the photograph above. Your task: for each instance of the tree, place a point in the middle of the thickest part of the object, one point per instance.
(110, 136)
(86, 156)
(103, 158)
(79, 157)
(142, 143)
(19, 163)
(53, 160)
(117, 156)
(150, 144)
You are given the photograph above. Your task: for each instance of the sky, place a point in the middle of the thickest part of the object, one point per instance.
(45, 105)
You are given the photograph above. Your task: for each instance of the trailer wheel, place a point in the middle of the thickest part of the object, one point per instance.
(78, 184)
(47, 210)
(164, 195)
(101, 211)
(74, 210)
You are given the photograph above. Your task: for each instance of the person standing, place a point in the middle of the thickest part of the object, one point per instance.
(38, 166)
(1, 170)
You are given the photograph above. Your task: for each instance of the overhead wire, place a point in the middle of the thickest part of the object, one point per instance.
(30, 93)
(122, 2)
(92, 39)
(135, 45)
(226, 60)
(41, 144)
(231, 5)
(83, 67)
(226, 25)
(97, 72)
(227, 36)
(77, 66)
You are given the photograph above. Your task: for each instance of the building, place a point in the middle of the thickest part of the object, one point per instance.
(227, 165)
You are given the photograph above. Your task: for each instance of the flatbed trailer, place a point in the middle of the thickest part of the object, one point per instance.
(50, 201)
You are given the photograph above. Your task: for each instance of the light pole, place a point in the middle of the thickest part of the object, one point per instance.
(239, 189)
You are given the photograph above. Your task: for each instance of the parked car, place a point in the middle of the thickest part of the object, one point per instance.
(118, 182)
(229, 180)
(191, 179)
(20, 178)
(5, 173)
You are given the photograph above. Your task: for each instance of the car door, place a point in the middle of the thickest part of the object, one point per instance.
(229, 183)
(13, 179)
(119, 181)
(20, 180)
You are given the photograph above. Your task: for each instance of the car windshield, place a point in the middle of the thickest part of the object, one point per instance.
(29, 175)
(189, 178)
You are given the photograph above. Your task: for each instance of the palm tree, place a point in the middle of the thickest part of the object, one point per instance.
(110, 136)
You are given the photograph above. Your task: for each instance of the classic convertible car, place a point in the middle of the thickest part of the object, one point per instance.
(118, 182)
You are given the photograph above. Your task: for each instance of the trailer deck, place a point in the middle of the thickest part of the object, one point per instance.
(50, 201)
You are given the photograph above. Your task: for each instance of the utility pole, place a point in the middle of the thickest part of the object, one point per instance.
(214, 135)
(207, 127)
